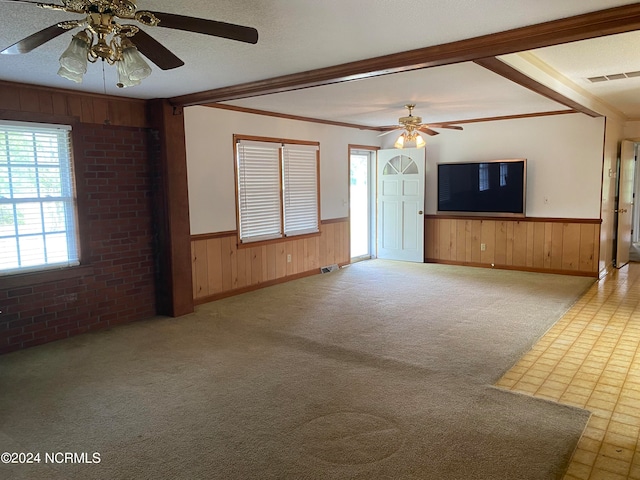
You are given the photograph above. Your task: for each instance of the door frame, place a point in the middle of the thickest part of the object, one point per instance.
(623, 217)
(635, 225)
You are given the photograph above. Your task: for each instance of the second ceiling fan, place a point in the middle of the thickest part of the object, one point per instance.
(412, 127)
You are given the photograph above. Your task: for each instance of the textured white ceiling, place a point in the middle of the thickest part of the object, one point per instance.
(299, 35)
(614, 54)
(441, 94)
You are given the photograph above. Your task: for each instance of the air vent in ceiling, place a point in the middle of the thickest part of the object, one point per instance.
(613, 76)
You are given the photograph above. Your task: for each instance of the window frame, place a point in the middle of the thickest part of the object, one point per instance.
(282, 235)
(44, 273)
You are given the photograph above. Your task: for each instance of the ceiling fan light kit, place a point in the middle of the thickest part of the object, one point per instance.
(103, 38)
(132, 68)
(410, 140)
(412, 126)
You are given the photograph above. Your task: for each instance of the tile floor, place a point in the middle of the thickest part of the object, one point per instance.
(591, 359)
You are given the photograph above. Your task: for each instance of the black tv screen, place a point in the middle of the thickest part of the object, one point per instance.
(494, 188)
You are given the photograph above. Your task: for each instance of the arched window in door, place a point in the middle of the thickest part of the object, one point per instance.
(400, 164)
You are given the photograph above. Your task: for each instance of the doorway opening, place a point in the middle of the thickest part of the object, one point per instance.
(361, 201)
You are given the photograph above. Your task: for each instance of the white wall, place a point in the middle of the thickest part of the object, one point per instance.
(209, 143)
(564, 160)
(563, 152)
(632, 130)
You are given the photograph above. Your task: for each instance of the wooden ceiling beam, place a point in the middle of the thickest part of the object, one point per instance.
(507, 71)
(581, 27)
(289, 117)
(509, 117)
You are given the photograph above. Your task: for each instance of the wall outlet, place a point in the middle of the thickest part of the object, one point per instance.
(288, 258)
(483, 247)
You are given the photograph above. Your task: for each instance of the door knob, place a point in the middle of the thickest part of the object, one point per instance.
(420, 212)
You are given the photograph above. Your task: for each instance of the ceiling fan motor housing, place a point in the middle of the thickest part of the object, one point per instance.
(410, 120)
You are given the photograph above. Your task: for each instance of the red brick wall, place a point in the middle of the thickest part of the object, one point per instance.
(115, 283)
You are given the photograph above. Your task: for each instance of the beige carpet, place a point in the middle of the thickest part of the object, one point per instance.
(382, 370)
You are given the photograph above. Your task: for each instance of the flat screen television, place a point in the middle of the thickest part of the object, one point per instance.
(496, 187)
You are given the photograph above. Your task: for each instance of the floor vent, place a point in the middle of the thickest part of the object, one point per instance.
(329, 268)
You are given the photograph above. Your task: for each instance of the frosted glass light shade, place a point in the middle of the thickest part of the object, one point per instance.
(74, 58)
(134, 65)
(412, 140)
(74, 77)
(123, 76)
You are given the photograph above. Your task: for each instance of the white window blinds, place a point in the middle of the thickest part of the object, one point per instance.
(277, 190)
(259, 191)
(37, 204)
(300, 189)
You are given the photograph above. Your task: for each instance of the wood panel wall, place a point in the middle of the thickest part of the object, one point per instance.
(568, 246)
(87, 108)
(221, 269)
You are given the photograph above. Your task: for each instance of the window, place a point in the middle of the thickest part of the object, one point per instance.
(37, 201)
(402, 165)
(277, 185)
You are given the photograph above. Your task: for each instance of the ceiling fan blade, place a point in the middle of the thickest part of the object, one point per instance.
(428, 131)
(155, 51)
(440, 125)
(208, 27)
(34, 41)
(390, 131)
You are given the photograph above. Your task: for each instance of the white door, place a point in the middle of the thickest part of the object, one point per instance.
(400, 218)
(625, 203)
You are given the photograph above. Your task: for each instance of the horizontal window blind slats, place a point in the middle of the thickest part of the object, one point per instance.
(301, 191)
(259, 191)
(37, 205)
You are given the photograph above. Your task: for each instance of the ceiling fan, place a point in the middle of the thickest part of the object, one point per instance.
(410, 137)
(102, 37)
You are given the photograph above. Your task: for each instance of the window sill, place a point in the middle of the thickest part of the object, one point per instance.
(293, 238)
(44, 276)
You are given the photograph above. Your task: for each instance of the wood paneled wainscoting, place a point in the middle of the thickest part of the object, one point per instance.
(221, 269)
(554, 245)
